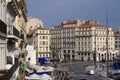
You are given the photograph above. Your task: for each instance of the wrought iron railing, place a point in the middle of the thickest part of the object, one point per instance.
(8, 74)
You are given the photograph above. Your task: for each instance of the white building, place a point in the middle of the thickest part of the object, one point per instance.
(42, 42)
(91, 42)
(32, 24)
(31, 55)
(9, 10)
(117, 39)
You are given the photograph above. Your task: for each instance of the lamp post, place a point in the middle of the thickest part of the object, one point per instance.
(107, 33)
(95, 49)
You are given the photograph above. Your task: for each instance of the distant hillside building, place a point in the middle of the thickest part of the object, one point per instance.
(32, 24)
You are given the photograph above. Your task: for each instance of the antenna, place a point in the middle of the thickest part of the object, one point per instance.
(107, 44)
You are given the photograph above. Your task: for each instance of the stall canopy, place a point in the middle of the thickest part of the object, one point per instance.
(42, 60)
(38, 77)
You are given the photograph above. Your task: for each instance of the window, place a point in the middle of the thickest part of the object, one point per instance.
(43, 42)
(46, 48)
(64, 51)
(9, 60)
(73, 51)
(68, 51)
(43, 37)
(40, 49)
(46, 42)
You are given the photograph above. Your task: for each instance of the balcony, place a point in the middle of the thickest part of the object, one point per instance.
(12, 32)
(9, 73)
(12, 4)
(3, 27)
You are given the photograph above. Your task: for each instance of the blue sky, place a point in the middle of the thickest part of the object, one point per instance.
(53, 12)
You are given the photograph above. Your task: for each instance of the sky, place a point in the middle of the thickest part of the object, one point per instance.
(53, 12)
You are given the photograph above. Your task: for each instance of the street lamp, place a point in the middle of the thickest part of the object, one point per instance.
(107, 44)
(95, 49)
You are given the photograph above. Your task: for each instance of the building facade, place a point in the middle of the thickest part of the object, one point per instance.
(16, 23)
(91, 40)
(42, 43)
(117, 39)
(83, 40)
(55, 41)
(3, 35)
(63, 39)
(68, 40)
(10, 12)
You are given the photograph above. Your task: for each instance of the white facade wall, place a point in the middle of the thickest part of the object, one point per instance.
(93, 38)
(117, 39)
(43, 43)
(31, 55)
(3, 10)
(3, 41)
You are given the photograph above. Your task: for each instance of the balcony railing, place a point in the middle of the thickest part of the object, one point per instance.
(12, 32)
(8, 74)
(3, 27)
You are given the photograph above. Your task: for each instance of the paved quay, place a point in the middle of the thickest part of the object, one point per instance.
(78, 70)
(102, 70)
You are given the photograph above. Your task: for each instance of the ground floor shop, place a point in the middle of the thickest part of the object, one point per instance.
(99, 56)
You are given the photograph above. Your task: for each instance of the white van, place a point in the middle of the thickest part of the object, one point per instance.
(91, 72)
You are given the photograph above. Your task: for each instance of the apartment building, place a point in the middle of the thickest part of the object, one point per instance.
(20, 24)
(83, 40)
(117, 39)
(91, 42)
(14, 15)
(63, 39)
(68, 39)
(42, 43)
(16, 23)
(55, 41)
